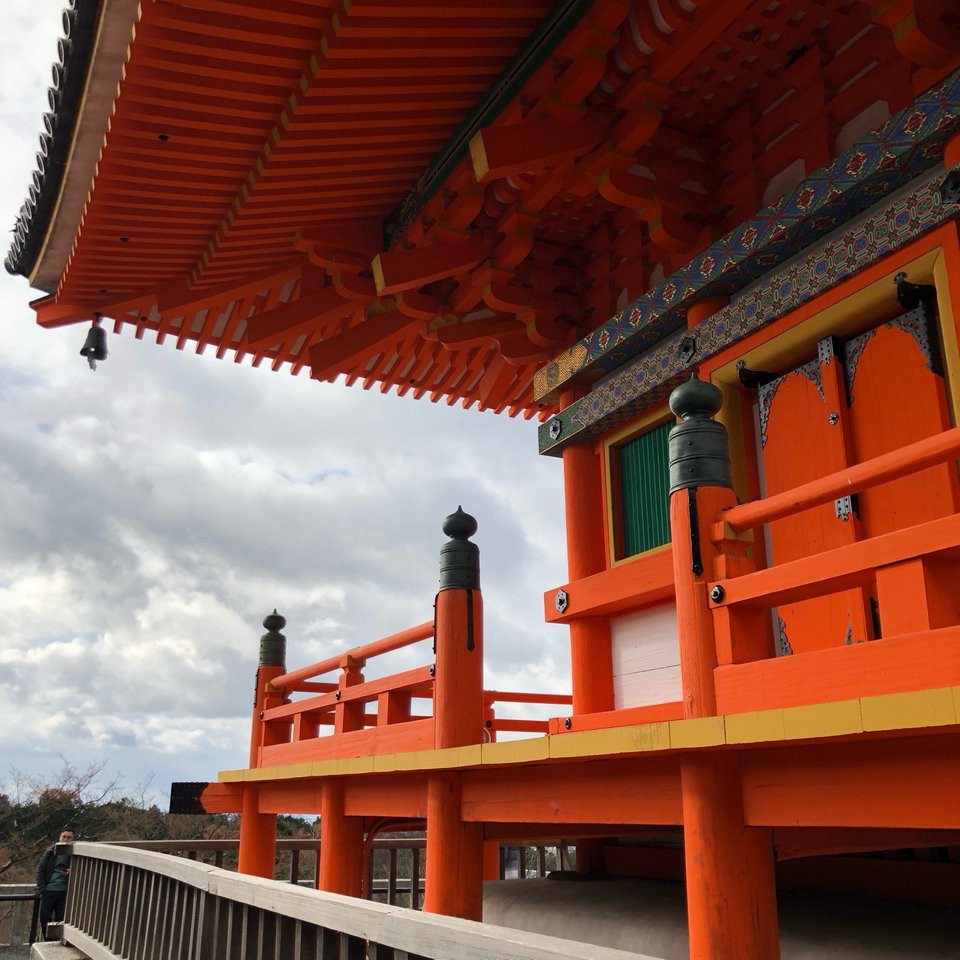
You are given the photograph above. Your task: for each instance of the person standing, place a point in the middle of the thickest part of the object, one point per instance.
(53, 874)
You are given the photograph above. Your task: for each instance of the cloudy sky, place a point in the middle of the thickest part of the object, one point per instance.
(153, 512)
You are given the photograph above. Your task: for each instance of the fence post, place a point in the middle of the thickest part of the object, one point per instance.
(731, 889)
(258, 831)
(458, 687)
(454, 868)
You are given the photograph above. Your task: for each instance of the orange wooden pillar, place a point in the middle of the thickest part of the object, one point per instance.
(454, 868)
(341, 843)
(258, 831)
(591, 663)
(731, 886)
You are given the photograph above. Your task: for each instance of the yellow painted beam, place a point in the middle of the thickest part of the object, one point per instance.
(841, 718)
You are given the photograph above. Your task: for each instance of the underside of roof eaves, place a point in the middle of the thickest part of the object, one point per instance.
(74, 49)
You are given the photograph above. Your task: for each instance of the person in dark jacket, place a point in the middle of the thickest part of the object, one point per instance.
(53, 874)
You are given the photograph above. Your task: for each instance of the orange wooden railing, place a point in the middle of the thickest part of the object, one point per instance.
(928, 452)
(292, 728)
(913, 573)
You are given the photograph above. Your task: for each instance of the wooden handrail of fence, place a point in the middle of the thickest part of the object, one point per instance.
(125, 902)
(862, 476)
(356, 655)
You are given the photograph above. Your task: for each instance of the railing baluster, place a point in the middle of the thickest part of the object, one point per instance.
(233, 929)
(352, 948)
(392, 877)
(542, 860)
(251, 933)
(185, 923)
(286, 938)
(329, 944)
(415, 878)
(164, 922)
(218, 859)
(306, 943)
(295, 866)
(140, 914)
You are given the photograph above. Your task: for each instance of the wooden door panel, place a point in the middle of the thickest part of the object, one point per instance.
(896, 396)
(803, 437)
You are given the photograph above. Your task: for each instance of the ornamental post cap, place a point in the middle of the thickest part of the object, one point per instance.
(273, 644)
(460, 557)
(459, 525)
(696, 398)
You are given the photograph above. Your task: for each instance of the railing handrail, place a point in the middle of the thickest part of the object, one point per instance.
(438, 937)
(512, 696)
(871, 473)
(356, 655)
(232, 844)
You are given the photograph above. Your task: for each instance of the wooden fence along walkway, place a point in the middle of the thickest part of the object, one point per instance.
(142, 905)
(384, 889)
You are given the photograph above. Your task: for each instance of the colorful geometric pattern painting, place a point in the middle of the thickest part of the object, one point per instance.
(908, 144)
(651, 376)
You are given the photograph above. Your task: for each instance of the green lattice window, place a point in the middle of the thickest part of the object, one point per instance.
(644, 492)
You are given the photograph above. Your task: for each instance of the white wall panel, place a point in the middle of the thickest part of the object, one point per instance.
(646, 657)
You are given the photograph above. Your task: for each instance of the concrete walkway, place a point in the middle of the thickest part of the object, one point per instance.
(55, 951)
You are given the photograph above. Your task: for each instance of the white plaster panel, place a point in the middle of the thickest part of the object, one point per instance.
(646, 657)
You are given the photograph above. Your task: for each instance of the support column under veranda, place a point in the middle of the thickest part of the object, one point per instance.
(730, 879)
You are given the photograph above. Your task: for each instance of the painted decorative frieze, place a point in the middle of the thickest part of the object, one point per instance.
(908, 145)
(650, 376)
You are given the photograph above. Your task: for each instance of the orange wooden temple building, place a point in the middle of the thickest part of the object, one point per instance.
(565, 211)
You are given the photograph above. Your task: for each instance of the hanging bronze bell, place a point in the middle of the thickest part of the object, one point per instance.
(95, 346)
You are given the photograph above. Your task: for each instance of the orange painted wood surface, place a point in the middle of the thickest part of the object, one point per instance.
(458, 701)
(591, 658)
(911, 782)
(341, 847)
(455, 861)
(577, 792)
(889, 466)
(415, 735)
(364, 692)
(394, 795)
(222, 797)
(618, 718)
(695, 625)
(920, 594)
(258, 836)
(895, 400)
(792, 843)
(805, 438)
(388, 795)
(729, 867)
(357, 655)
(852, 565)
(627, 586)
(920, 661)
